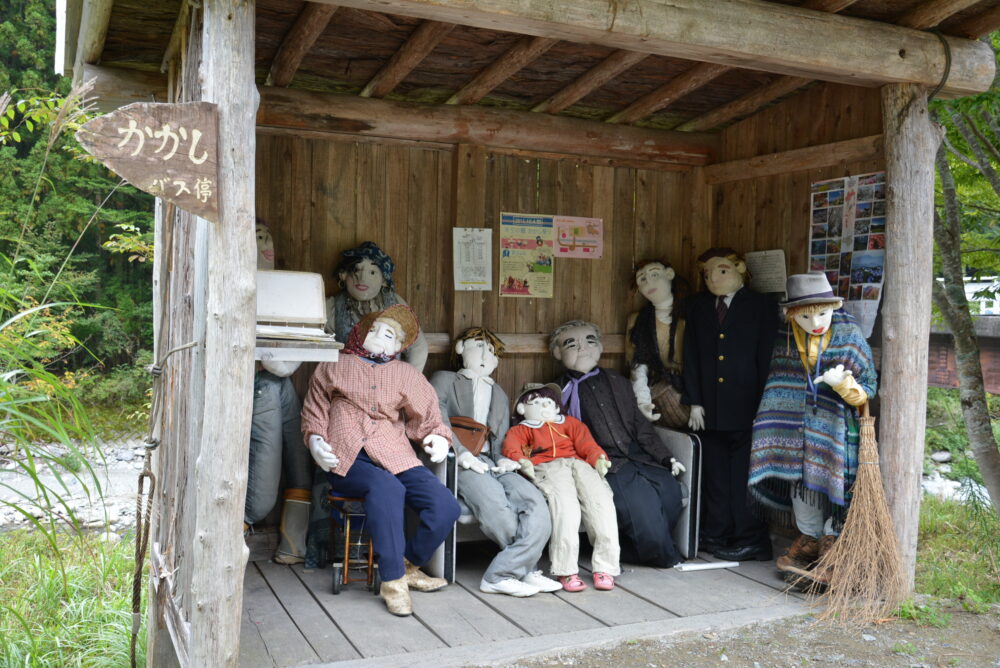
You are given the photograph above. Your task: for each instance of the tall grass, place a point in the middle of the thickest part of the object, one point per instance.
(76, 615)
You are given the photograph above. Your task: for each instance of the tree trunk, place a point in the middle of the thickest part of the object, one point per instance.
(950, 299)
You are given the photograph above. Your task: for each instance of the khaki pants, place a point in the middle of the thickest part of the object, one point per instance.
(575, 491)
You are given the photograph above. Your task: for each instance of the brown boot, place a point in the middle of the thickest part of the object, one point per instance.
(803, 552)
(420, 581)
(396, 595)
(825, 544)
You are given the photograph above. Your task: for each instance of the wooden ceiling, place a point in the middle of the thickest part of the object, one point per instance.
(323, 47)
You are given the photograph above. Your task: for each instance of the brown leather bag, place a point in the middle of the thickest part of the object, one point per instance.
(473, 435)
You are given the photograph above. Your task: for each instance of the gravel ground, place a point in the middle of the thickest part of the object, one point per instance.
(967, 640)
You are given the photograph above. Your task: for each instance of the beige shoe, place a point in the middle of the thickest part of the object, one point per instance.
(396, 595)
(420, 581)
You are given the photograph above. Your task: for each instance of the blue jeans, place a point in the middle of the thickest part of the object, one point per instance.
(275, 443)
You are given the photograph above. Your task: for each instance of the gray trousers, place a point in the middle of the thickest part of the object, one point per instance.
(810, 519)
(513, 514)
(275, 443)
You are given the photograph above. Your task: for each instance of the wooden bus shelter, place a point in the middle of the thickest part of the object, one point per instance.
(681, 123)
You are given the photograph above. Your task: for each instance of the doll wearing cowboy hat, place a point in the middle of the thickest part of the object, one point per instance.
(805, 438)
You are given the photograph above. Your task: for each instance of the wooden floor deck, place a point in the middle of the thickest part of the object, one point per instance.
(292, 617)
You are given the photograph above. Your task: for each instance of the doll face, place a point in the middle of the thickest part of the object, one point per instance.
(539, 409)
(653, 282)
(579, 349)
(478, 356)
(364, 281)
(384, 338)
(265, 247)
(814, 323)
(723, 276)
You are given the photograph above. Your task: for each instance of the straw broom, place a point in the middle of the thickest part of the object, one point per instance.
(864, 568)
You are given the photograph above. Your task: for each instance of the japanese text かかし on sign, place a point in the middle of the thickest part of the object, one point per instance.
(167, 150)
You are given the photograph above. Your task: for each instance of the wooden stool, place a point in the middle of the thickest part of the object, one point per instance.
(356, 541)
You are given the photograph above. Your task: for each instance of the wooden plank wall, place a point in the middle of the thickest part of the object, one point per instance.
(773, 212)
(321, 196)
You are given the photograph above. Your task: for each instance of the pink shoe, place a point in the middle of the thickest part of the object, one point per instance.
(604, 582)
(572, 582)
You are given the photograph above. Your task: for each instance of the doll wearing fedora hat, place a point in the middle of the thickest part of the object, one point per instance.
(805, 437)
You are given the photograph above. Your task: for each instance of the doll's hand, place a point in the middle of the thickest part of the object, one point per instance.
(436, 447)
(469, 461)
(833, 377)
(647, 410)
(697, 420)
(527, 468)
(505, 465)
(602, 465)
(676, 468)
(322, 453)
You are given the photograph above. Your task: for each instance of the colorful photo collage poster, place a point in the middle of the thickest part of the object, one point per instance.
(527, 247)
(847, 241)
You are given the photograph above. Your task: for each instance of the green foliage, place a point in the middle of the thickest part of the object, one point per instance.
(959, 551)
(925, 614)
(83, 619)
(946, 431)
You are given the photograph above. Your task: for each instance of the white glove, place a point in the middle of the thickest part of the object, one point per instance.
(280, 368)
(469, 461)
(602, 465)
(834, 377)
(676, 468)
(505, 465)
(648, 411)
(697, 420)
(527, 468)
(436, 447)
(322, 453)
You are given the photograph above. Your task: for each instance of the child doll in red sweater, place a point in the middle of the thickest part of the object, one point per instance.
(559, 454)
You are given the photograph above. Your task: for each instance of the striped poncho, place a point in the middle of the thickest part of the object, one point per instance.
(799, 448)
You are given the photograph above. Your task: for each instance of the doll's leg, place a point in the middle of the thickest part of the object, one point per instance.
(597, 505)
(264, 470)
(555, 479)
(534, 524)
(487, 499)
(437, 508)
(643, 527)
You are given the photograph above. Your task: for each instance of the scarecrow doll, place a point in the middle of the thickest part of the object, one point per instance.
(805, 437)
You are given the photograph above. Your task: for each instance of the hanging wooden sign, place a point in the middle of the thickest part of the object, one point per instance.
(167, 150)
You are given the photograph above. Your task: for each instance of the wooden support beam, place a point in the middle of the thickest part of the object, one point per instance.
(115, 87)
(469, 169)
(831, 6)
(217, 555)
(978, 25)
(177, 36)
(911, 140)
(420, 43)
(796, 160)
(591, 80)
(676, 88)
(932, 12)
(745, 105)
(308, 26)
(300, 110)
(94, 20)
(748, 34)
(523, 52)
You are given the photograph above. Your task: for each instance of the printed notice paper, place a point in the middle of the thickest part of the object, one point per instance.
(472, 257)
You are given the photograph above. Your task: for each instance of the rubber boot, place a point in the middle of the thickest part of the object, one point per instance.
(294, 527)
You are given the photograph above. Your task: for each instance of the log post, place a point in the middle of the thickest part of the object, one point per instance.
(911, 141)
(219, 554)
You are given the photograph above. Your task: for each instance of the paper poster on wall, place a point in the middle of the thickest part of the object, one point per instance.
(527, 243)
(767, 270)
(579, 237)
(472, 258)
(847, 241)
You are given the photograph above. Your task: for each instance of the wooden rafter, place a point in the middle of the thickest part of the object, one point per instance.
(94, 20)
(420, 43)
(745, 105)
(591, 80)
(676, 88)
(932, 12)
(925, 16)
(309, 25)
(976, 26)
(174, 47)
(736, 33)
(795, 160)
(523, 52)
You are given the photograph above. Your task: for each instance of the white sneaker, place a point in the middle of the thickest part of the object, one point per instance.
(536, 579)
(508, 586)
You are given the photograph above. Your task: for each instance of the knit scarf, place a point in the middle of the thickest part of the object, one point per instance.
(571, 393)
